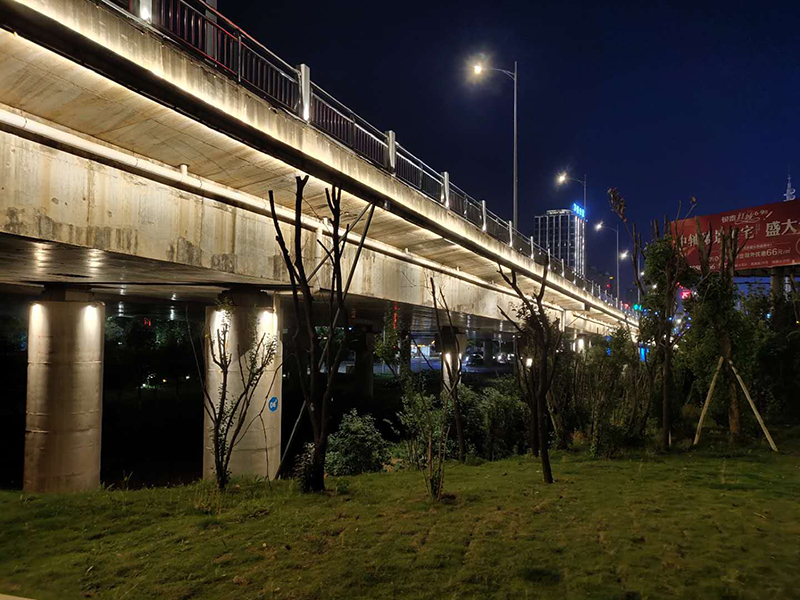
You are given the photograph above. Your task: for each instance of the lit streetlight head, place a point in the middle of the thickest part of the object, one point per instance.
(599, 226)
(624, 255)
(561, 179)
(478, 69)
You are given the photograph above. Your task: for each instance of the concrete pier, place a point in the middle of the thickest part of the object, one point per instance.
(65, 393)
(250, 316)
(364, 347)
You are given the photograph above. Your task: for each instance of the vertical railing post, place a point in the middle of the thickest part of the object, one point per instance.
(352, 129)
(483, 214)
(532, 247)
(391, 153)
(511, 233)
(446, 189)
(305, 92)
(146, 10)
(240, 62)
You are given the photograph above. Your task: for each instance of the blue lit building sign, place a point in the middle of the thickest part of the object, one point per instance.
(579, 210)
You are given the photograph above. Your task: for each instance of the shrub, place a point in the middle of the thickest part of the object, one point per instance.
(617, 390)
(357, 447)
(427, 423)
(494, 420)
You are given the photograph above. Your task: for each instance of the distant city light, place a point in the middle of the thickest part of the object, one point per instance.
(478, 69)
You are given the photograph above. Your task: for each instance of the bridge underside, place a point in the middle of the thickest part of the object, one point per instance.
(30, 265)
(129, 169)
(42, 85)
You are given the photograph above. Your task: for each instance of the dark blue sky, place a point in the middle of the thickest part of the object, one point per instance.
(663, 100)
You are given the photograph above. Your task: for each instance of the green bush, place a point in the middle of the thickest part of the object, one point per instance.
(357, 447)
(494, 420)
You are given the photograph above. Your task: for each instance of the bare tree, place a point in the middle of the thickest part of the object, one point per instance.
(318, 356)
(451, 365)
(539, 338)
(228, 408)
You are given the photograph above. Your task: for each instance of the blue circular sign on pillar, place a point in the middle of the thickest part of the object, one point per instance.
(273, 404)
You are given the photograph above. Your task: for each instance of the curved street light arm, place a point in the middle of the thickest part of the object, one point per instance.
(509, 73)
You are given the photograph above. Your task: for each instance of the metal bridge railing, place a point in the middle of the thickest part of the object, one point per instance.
(207, 32)
(204, 31)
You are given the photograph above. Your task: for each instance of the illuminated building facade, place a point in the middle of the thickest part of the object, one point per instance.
(562, 232)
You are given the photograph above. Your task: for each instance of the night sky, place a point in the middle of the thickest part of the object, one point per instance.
(663, 100)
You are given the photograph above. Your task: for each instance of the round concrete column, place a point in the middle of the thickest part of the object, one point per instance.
(65, 396)
(257, 450)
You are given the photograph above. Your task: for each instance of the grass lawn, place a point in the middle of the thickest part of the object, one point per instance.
(691, 525)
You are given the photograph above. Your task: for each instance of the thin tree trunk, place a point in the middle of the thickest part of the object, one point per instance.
(734, 419)
(666, 415)
(316, 482)
(547, 473)
(534, 429)
(459, 427)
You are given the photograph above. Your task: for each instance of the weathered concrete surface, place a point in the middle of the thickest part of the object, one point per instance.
(257, 449)
(52, 87)
(52, 195)
(65, 396)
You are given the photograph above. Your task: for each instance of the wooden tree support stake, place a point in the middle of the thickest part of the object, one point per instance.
(707, 402)
(753, 406)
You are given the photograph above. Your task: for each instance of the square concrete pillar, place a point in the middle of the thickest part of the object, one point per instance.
(488, 352)
(257, 450)
(364, 347)
(65, 395)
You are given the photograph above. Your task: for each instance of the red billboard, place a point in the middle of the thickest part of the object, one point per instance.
(770, 234)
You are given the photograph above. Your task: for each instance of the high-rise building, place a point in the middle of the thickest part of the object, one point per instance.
(562, 232)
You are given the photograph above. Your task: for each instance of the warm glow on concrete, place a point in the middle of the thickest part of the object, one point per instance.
(64, 396)
(257, 450)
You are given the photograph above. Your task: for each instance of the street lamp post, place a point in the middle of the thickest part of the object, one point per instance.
(564, 178)
(479, 68)
(600, 226)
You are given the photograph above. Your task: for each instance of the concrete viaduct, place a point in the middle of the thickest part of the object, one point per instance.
(134, 161)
